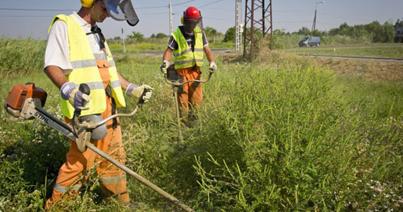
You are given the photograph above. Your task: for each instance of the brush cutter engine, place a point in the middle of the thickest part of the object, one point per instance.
(22, 99)
(27, 101)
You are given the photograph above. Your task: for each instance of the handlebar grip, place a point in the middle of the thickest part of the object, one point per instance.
(141, 100)
(84, 88)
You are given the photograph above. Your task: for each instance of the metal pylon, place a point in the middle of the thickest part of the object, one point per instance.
(258, 24)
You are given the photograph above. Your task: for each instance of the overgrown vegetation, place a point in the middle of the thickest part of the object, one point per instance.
(20, 56)
(279, 134)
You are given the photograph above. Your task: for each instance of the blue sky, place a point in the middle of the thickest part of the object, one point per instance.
(289, 15)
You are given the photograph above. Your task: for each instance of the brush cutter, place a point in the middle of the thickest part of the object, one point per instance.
(27, 101)
(172, 78)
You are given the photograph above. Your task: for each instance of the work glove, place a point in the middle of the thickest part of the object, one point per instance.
(164, 66)
(213, 67)
(137, 91)
(70, 92)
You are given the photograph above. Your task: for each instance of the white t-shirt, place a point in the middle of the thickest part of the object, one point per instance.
(57, 49)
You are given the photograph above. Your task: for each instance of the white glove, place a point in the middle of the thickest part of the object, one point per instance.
(213, 66)
(79, 100)
(164, 66)
(137, 91)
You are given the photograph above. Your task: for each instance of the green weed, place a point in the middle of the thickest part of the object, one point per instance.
(277, 134)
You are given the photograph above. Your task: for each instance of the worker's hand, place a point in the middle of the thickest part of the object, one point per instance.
(213, 67)
(144, 91)
(164, 66)
(79, 100)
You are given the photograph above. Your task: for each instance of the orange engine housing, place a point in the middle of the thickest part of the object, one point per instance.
(19, 93)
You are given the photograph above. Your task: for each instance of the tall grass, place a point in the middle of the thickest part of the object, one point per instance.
(276, 134)
(21, 56)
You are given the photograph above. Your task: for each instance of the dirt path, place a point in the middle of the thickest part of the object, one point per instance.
(368, 68)
(361, 58)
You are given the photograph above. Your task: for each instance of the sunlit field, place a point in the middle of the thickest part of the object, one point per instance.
(280, 133)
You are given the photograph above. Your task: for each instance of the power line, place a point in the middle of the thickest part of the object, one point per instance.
(24, 16)
(68, 10)
(211, 3)
(177, 4)
(39, 10)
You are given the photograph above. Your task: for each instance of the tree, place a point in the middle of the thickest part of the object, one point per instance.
(304, 31)
(279, 32)
(388, 32)
(210, 31)
(161, 35)
(136, 36)
(230, 35)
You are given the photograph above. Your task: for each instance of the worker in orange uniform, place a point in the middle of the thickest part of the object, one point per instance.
(188, 44)
(78, 53)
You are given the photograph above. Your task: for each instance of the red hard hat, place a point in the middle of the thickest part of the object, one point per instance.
(192, 13)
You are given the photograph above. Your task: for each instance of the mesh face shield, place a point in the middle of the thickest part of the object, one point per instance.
(122, 10)
(189, 25)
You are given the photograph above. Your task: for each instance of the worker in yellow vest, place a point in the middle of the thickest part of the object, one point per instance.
(188, 44)
(77, 53)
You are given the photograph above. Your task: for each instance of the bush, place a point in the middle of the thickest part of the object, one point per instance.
(229, 35)
(293, 142)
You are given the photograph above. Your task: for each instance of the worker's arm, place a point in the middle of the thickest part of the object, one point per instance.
(209, 54)
(166, 57)
(123, 82)
(56, 75)
(68, 90)
(210, 58)
(131, 89)
(167, 54)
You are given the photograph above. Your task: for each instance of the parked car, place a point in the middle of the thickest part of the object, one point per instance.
(310, 41)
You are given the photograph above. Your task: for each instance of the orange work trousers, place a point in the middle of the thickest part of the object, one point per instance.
(190, 95)
(75, 170)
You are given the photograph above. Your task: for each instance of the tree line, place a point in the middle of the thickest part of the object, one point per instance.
(374, 32)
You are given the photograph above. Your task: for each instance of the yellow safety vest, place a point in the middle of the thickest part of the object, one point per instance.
(184, 56)
(85, 70)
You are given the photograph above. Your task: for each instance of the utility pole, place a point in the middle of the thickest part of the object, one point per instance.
(171, 25)
(238, 25)
(314, 21)
(257, 23)
(123, 42)
(314, 17)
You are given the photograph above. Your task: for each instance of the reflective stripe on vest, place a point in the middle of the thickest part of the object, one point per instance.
(85, 70)
(184, 56)
(117, 92)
